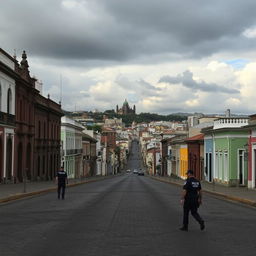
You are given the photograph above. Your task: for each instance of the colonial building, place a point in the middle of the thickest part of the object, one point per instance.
(196, 155)
(30, 124)
(7, 115)
(37, 137)
(47, 138)
(71, 136)
(125, 109)
(89, 156)
(227, 153)
(108, 141)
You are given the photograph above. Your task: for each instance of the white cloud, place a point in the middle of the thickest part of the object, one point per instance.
(192, 103)
(105, 87)
(233, 102)
(250, 32)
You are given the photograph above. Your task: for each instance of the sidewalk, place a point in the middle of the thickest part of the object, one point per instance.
(238, 194)
(9, 192)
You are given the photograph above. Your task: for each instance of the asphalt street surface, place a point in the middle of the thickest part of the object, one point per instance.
(124, 215)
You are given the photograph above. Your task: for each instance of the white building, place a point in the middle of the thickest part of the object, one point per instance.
(71, 137)
(7, 115)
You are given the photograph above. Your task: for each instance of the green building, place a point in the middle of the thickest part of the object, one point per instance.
(230, 162)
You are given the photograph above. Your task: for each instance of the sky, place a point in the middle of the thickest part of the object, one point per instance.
(164, 56)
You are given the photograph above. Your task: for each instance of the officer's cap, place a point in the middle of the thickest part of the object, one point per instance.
(190, 172)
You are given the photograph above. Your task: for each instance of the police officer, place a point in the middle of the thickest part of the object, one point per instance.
(62, 180)
(191, 200)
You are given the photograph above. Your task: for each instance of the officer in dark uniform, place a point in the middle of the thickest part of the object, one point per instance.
(62, 180)
(191, 200)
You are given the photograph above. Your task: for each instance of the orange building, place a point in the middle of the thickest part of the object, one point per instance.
(183, 160)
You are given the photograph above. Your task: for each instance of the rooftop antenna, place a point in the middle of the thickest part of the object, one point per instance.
(60, 89)
(15, 55)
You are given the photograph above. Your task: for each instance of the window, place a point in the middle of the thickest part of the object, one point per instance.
(44, 131)
(226, 166)
(39, 129)
(241, 167)
(9, 101)
(216, 165)
(20, 110)
(221, 175)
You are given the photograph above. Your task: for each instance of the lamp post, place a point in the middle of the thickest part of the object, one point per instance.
(25, 180)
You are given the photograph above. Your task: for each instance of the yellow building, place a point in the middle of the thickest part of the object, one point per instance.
(183, 161)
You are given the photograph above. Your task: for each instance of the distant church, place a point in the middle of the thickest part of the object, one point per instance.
(125, 109)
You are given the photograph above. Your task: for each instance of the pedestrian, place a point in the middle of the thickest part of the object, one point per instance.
(191, 200)
(62, 180)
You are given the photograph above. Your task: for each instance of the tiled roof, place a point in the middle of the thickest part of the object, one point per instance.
(199, 136)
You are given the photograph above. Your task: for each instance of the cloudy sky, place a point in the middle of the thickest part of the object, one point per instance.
(164, 56)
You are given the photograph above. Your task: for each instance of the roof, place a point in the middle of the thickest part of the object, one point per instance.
(106, 129)
(147, 138)
(199, 136)
(87, 137)
(168, 131)
(7, 55)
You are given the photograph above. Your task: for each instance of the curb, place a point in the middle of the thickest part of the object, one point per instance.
(43, 191)
(224, 196)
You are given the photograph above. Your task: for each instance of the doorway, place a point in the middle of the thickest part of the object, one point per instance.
(210, 167)
(20, 162)
(1, 160)
(9, 158)
(254, 168)
(241, 167)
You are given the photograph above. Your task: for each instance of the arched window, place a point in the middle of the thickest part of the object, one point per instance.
(20, 110)
(9, 101)
(39, 129)
(44, 131)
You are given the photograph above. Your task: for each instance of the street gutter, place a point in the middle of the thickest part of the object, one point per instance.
(43, 191)
(221, 195)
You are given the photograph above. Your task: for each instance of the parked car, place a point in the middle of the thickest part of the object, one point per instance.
(128, 170)
(140, 172)
(135, 171)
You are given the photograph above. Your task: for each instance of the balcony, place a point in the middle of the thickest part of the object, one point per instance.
(7, 119)
(230, 122)
(73, 151)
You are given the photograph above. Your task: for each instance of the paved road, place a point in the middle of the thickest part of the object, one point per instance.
(126, 215)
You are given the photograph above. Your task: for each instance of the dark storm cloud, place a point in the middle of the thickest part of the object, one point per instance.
(186, 79)
(115, 30)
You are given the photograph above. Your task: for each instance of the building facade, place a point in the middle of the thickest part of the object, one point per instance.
(89, 156)
(37, 136)
(226, 158)
(47, 143)
(208, 157)
(196, 155)
(23, 154)
(7, 116)
(71, 137)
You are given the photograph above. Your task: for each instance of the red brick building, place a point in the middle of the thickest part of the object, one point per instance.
(37, 136)
(108, 137)
(89, 155)
(195, 154)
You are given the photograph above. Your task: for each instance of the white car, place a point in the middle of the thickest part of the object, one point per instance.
(135, 171)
